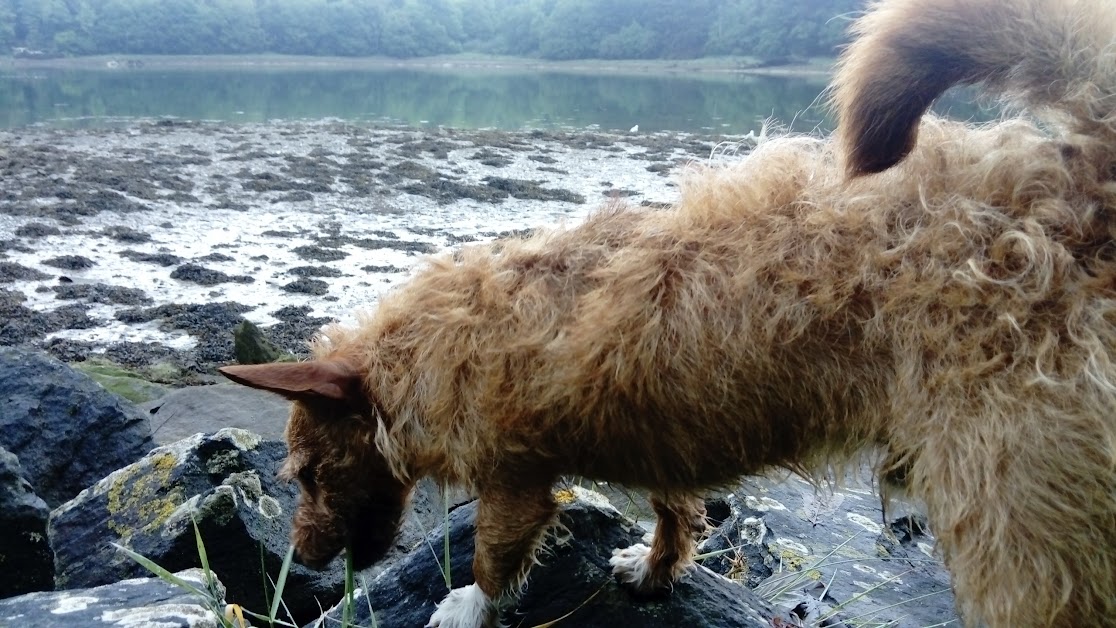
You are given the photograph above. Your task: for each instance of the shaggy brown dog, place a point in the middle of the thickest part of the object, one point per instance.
(956, 312)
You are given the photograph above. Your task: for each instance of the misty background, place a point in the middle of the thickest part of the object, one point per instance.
(771, 31)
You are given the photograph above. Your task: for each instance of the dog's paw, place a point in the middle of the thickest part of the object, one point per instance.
(632, 566)
(464, 607)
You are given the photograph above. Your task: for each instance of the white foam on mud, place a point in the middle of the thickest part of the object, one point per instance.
(195, 230)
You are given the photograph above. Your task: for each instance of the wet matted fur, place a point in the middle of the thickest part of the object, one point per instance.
(939, 292)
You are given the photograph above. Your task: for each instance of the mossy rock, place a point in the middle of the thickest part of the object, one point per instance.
(252, 347)
(119, 380)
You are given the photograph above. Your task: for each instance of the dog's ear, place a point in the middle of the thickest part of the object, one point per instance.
(330, 379)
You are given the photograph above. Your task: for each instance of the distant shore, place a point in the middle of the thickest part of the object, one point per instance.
(713, 65)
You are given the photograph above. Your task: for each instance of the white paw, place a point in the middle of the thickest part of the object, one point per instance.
(464, 607)
(632, 565)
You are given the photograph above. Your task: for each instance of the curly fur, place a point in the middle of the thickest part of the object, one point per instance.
(956, 311)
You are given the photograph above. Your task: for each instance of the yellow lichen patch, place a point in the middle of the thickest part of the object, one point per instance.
(792, 559)
(565, 496)
(243, 439)
(135, 502)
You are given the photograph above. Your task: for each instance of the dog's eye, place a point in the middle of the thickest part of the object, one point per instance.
(306, 477)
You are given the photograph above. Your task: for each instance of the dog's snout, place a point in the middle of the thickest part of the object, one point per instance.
(315, 562)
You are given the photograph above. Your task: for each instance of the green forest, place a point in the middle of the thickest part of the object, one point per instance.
(770, 31)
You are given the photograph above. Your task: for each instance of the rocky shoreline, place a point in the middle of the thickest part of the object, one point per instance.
(131, 254)
(144, 245)
(82, 478)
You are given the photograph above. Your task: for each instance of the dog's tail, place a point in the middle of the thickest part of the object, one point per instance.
(1052, 56)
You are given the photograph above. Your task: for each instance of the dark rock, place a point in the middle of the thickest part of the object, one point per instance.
(295, 328)
(107, 200)
(181, 198)
(12, 244)
(444, 191)
(10, 298)
(737, 544)
(24, 551)
(217, 257)
(297, 196)
(21, 325)
(162, 259)
(37, 230)
(208, 322)
(73, 316)
(455, 239)
(67, 431)
(553, 170)
(101, 293)
(265, 182)
(318, 253)
(315, 271)
(11, 271)
(129, 235)
(226, 483)
(226, 203)
(439, 148)
(306, 285)
(252, 347)
(206, 276)
(69, 350)
(187, 411)
(389, 268)
(492, 158)
(522, 189)
(276, 233)
(137, 602)
(70, 262)
(573, 583)
(142, 354)
(408, 246)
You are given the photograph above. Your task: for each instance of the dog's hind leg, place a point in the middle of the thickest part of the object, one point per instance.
(510, 527)
(655, 568)
(1021, 493)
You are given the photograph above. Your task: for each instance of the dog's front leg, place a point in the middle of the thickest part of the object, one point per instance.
(510, 527)
(656, 568)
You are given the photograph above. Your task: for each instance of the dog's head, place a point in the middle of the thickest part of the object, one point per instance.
(350, 497)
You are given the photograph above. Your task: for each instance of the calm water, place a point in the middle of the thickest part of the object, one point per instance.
(467, 99)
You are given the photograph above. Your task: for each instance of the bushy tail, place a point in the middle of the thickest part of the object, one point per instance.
(1055, 57)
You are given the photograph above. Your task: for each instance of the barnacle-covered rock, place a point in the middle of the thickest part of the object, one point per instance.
(225, 482)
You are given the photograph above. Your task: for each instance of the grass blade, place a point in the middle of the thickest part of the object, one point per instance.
(280, 584)
(264, 578)
(160, 572)
(347, 603)
(210, 578)
(446, 535)
(371, 613)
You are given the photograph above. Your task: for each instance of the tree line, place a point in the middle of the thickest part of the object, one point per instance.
(771, 30)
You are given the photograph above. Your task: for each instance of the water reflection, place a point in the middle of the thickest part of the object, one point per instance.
(731, 104)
